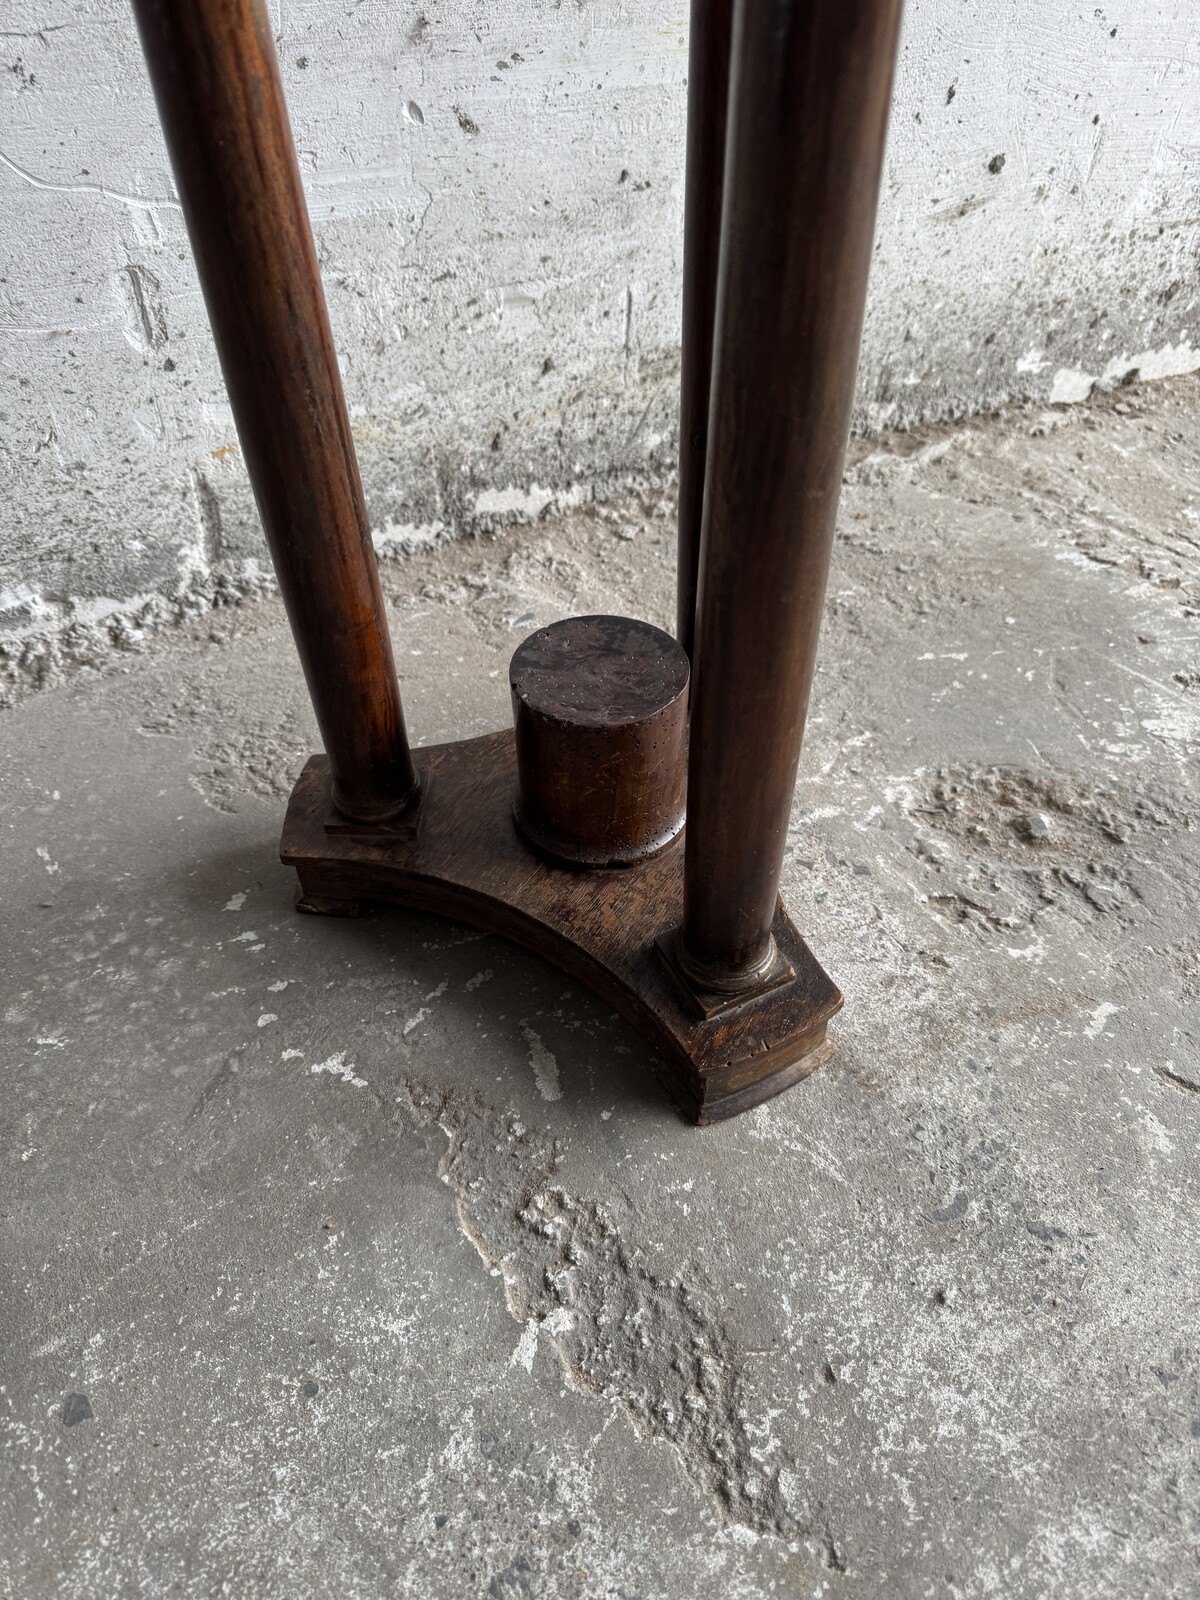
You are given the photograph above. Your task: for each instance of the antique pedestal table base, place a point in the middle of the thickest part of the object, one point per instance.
(686, 936)
(466, 860)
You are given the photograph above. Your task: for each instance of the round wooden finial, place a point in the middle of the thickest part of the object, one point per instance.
(600, 705)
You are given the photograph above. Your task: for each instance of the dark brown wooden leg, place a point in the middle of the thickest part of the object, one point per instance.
(708, 94)
(811, 83)
(216, 79)
(734, 1000)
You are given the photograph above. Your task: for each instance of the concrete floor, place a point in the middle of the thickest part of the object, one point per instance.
(368, 1259)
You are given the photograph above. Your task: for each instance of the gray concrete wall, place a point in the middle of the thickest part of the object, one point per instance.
(496, 191)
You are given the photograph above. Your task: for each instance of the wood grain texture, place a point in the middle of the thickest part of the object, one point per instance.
(216, 80)
(810, 87)
(600, 708)
(710, 38)
(601, 926)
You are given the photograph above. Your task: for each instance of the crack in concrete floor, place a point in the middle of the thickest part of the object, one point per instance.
(925, 1326)
(622, 1333)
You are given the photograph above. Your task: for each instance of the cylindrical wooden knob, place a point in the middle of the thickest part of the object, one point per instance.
(600, 706)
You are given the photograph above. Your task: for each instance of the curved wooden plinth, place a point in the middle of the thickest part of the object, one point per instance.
(462, 856)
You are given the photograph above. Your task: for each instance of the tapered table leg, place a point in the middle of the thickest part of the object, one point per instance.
(709, 45)
(216, 79)
(810, 86)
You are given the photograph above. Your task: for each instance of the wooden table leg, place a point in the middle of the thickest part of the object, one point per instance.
(216, 79)
(810, 88)
(708, 96)
(734, 1000)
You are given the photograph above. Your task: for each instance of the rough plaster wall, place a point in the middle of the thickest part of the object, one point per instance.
(496, 191)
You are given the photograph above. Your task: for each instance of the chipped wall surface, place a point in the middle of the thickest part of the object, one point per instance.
(496, 192)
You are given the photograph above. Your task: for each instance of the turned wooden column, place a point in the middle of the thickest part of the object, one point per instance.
(216, 80)
(600, 714)
(810, 86)
(709, 44)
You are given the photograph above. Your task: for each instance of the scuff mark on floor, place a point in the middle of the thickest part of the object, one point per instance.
(544, 1064)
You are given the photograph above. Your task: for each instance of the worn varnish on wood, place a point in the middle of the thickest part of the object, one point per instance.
(600, 709)
(811, 82)
(685, 935)
(468, 861)
(216, 79)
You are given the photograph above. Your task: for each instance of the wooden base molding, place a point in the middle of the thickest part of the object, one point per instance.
(465, 859)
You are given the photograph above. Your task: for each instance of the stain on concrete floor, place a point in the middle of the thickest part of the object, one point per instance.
(315, 1289)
